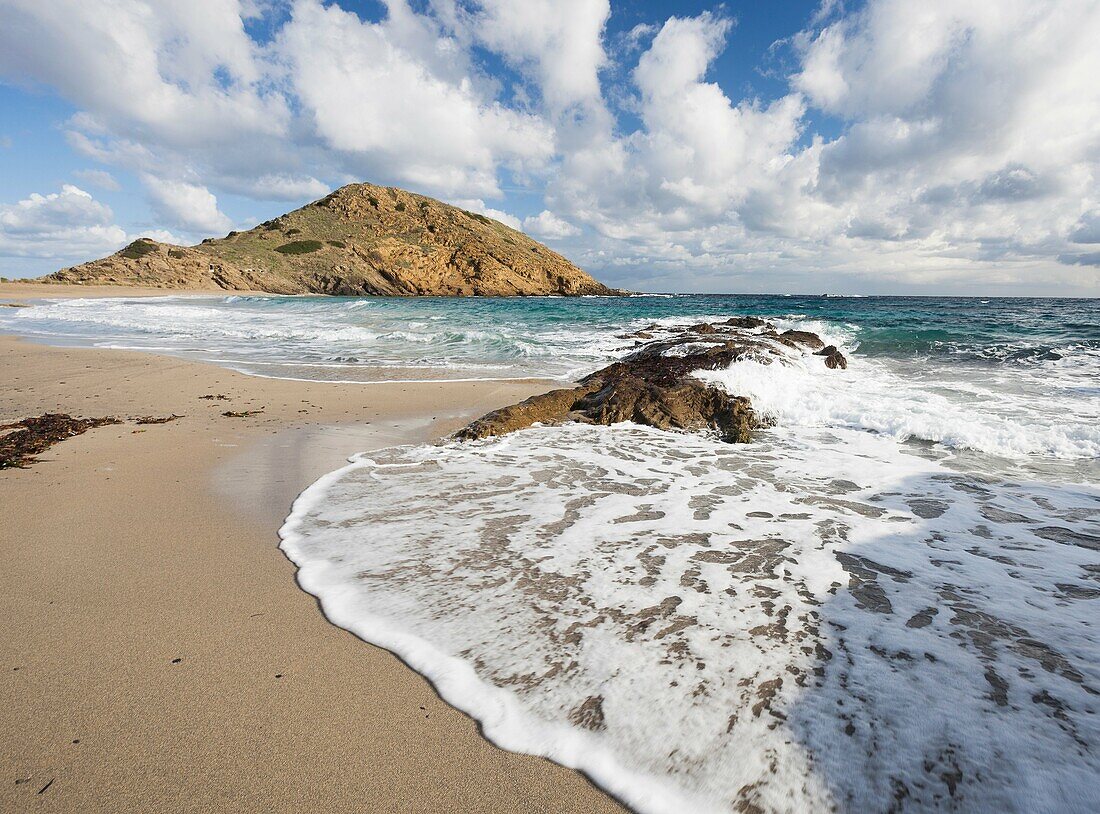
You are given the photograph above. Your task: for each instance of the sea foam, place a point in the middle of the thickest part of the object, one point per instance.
(954, 411)
(817, 619)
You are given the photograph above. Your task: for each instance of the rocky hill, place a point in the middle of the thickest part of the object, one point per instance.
(361, 239)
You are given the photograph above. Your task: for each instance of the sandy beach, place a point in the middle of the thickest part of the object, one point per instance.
(158, 655)
(19, 291)
(467, 407)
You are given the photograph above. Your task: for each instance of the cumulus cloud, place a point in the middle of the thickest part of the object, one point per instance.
(966, 157)
(698, 157)
(185, 75)
(61, 224)
(946, 143)
(969, 123)
(190, 207)
(558, 42)
(548, 225)
(372, 95)
(1087, 229)
(182, 91)
(478, 205)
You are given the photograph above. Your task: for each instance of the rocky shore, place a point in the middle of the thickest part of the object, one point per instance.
(655, 385)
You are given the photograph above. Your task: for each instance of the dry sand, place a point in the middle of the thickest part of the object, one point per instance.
(157, 654)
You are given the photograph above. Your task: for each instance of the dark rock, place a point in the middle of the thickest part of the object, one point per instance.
(810, 340)
(833, 357)
(702, 328)
(747, 322)
(653, 385)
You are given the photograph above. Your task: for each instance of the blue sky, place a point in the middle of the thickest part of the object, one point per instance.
(875, 147)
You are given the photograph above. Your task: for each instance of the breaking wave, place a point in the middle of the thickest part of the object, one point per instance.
(958, 413)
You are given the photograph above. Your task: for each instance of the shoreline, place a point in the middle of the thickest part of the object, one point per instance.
(49, 291)
(161, 650)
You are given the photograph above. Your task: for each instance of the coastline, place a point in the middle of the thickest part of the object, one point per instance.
(44, 291)
(942, 462)
(130, 547)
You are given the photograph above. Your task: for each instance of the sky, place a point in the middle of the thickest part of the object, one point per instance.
(877, 147)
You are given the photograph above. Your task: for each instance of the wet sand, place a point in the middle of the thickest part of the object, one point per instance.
(157, 653)
(18, 291)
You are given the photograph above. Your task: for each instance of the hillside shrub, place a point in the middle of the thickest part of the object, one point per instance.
(299, 247)
(477, 216)
(139, 248)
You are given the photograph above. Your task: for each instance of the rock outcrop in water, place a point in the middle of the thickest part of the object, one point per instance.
(360, 240)
(655, 384)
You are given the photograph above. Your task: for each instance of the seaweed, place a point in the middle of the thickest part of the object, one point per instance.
(33, 436)
(152, 419)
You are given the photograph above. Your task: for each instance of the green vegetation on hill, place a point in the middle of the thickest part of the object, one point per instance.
(360, 239)
(299, 246)
(139, 248)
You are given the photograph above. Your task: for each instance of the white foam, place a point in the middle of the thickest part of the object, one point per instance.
(869, 395)
(1047, 405)
(749, 617)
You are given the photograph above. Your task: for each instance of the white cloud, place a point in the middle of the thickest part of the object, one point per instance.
(99, 178)
(278, 187)
(548, 225)
(557, 41)
(969, 156)
(478, 205)
(971, 126)
(967, 151)
(698, 157)
(190, 207)
(370, 96)
(185, 75)
(174, 90)
(1087, 229)
(61, 224)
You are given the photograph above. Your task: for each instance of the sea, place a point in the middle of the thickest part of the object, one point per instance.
(888, 601)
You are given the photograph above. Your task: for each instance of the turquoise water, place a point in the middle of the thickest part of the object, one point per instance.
(552, 336)
(890, 600)
(1003, 376)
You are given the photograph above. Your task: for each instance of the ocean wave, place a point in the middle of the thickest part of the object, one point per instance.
(869, 396)
(1009, 386)
(197, 322)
